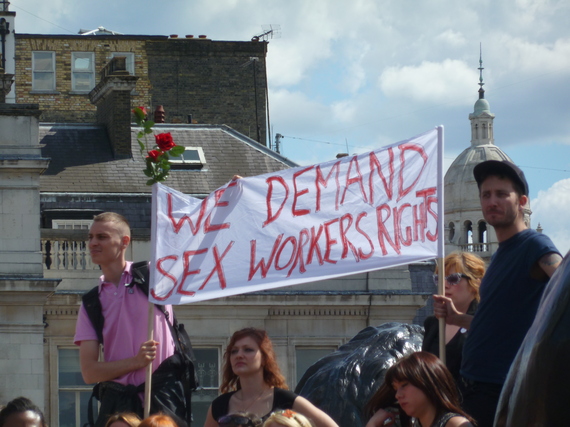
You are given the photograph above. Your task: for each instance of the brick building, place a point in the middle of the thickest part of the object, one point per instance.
(196, 79)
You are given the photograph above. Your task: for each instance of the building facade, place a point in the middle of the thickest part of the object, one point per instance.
(195, 79)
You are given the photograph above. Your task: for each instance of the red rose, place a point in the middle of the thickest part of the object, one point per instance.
(153, 154)
(164, 141)
(143, 110)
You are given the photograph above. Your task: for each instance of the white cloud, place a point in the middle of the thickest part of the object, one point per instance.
(452, 38)
(549, 210)
(521, 55)
(430, 82)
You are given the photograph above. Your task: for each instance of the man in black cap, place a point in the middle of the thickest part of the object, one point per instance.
(510, 290)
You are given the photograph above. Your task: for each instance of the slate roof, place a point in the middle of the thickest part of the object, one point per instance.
(82, 159)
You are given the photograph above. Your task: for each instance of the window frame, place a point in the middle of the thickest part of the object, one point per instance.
(52, 385)
(181, 163)
(307, 343)
(52, 71)
(90, 72)
(220, 350)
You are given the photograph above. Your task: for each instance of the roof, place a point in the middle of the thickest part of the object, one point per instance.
(82, 159)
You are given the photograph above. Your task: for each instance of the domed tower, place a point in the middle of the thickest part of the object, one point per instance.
(465, 227)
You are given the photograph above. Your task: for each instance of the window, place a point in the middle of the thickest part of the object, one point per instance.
(208, 370)
(82, 71)
(451, 231)
(130, 60)
(73, 392)
(72, 224)
(191, 158)
(305, 357)
(43, 75)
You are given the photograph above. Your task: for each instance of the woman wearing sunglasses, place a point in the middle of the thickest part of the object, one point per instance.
(252, 382)
(464, 272)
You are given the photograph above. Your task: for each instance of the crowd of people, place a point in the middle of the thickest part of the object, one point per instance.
(487, 313)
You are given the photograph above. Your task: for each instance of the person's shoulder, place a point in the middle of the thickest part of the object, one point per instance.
(224, 397)
(458, 421)
(430, 321)
(285, 393)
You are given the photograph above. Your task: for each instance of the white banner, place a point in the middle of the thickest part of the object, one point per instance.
(355, 214)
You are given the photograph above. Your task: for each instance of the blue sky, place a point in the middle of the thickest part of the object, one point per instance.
(365, 73)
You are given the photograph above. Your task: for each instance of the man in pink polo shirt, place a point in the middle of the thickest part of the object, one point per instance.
(127, 351)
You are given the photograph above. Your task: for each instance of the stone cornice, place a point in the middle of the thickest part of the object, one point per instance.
(111, 83)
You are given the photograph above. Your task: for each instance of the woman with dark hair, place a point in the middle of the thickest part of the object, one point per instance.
(252, 382)
(420, 390)
(22, 411)
(464, 272)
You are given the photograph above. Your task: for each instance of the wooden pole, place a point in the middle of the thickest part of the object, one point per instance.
(441, 291)
(440, 236)
(148, 381)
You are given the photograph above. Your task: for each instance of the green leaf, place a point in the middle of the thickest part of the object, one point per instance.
(138, 114)
(150, 182)
(177, 150)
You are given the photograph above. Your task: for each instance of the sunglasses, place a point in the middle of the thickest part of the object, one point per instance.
(452, 279)
(235, 420)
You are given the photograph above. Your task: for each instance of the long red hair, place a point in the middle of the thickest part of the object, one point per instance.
(271, 373)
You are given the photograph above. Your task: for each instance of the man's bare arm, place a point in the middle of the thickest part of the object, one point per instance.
(94, 371)
(549, 263)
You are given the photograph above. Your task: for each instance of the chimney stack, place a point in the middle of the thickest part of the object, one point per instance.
(112, 96)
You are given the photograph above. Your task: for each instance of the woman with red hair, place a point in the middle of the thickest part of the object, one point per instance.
(158, 420)
(252, 382)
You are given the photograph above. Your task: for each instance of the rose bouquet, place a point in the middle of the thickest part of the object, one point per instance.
(157, 159)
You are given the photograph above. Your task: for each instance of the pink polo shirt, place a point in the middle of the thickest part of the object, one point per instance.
(126, 325)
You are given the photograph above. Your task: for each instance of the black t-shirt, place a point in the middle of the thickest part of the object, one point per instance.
(282, 399)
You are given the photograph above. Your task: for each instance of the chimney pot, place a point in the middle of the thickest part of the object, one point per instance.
(159, 114)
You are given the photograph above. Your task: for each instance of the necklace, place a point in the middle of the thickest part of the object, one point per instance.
(254, 401)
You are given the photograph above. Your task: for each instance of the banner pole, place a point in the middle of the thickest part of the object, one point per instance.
(148, 381)
(441, 237)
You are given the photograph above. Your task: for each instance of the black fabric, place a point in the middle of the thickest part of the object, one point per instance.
(94, 311)
(173, 381)
(480, 400)
(114, 398)
(453, 349)
(168, 391)
(442, 421)
(282, 399)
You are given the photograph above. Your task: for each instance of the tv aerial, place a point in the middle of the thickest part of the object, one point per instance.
(272, 31)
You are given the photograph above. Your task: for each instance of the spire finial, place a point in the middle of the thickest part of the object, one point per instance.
(481, 90)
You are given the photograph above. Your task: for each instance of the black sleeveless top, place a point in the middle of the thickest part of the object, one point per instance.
(282, 399)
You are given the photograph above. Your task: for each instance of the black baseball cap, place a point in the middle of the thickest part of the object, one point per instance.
(500, 167)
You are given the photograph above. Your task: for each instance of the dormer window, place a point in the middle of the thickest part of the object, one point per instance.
(191, 158)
